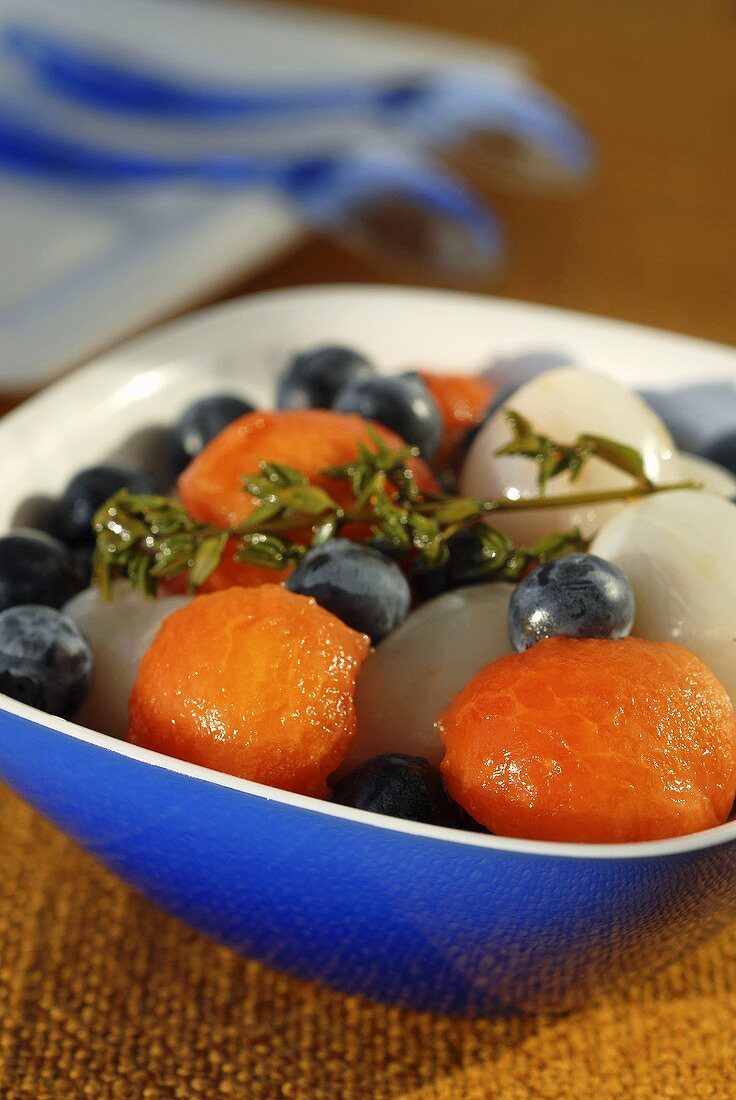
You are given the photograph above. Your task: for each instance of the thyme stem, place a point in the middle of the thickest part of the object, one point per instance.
(485, 507)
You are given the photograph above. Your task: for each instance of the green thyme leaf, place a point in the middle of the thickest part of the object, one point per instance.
(268, 551)
(206, 559)
(457, 510)
(616, 454)
(282, 476)
(310, 500)
(326, 529)
(557, 544)
(392, 526)
(263, 513)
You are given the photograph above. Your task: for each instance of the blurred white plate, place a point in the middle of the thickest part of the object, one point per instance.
(84, 268)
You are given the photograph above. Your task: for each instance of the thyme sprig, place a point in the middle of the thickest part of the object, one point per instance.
(147, 539)
(555, 458)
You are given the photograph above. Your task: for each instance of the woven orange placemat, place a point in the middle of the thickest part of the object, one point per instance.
(104, 996)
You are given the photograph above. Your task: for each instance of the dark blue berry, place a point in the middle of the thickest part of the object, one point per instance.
(428, 582)
(723, 451)
(580, 596)
(402, 403)
(156, 450)
(313, 379)
(45, 660)
(399, 786)
(173, 461)
(86, 491)
(201, 422)
(82, 559)
(357, 584)
(36, 568)
(40, 513)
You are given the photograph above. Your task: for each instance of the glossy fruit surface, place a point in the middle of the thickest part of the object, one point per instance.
(206, 418)
(87, 490)
(45, 660)
(670, 546)
(593, 741)
(411, 677)
(257, 682)
(402, 403)
(211, 487)
(313, 379)
(117, 650)
(579, 595)
(35, 568)
(357, 583)
(709, 475)
(400, 786)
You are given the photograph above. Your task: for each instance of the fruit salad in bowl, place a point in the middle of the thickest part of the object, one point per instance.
(376, 657)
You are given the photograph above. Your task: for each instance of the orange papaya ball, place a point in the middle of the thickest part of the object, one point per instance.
(593, 741)
(462, 400)
(255, 682)
(211, 487)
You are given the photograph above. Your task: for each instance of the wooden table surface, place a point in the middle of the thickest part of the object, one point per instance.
(653, 239)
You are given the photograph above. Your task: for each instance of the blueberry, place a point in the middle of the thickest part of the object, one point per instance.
(723, 451)
(399, 786)
(155, 449)
(402, 403)
(86, 491)
(429, 582)
(357, 584)
(45, 660)
(171, 460)
(205, 419)
(580, 595)
(35, 568)
(82, 560)
(313, 379)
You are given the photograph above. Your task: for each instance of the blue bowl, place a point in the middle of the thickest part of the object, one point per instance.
(413, 915)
